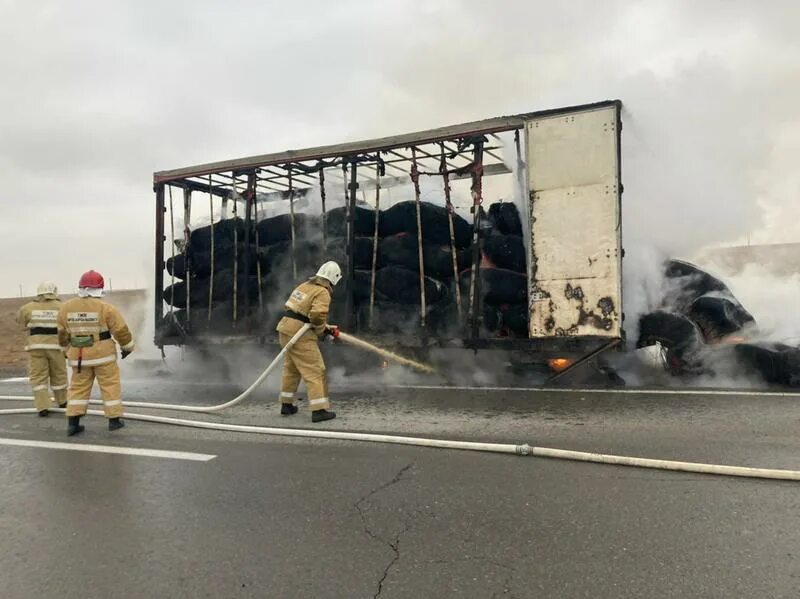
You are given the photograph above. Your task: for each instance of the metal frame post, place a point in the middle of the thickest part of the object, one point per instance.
(421, 254)
(213, 257)
(187, 231)
(351, 245)
(291, 222)
(248, 220)
(159, 274)
(324, 213)
(453, 252)
(475, 302)
(378, 172)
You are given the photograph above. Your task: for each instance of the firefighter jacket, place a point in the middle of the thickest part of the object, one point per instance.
(40, 318)
(310, 303)
(89, 327)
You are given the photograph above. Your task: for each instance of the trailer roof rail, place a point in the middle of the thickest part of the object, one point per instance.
(390, 153)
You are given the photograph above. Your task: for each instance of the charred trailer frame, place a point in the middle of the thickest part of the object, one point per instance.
(565, 164)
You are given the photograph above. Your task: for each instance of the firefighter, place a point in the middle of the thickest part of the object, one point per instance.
(89, 326)
(47, 366)
(309, 303)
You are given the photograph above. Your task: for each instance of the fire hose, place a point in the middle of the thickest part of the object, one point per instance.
(506, 448)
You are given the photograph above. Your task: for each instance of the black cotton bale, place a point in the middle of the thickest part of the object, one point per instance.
(308, 255)
(224, 258)
(393, 318)
(687, 282)
(498, 286)
(506, 251)
(508, 320)
(225, 232)
(676, 333)
(402, 250)
(773, 362)
(176, 266)
(364, 221)
(337, 251)
(402, 286)
(504, 218)
(279, 228)
(222, 290)
(402, 218)
(719, 316)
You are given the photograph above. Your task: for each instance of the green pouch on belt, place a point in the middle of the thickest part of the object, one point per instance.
(81, 341)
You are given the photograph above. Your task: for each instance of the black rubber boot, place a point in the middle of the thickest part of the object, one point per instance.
(322, 415)
(115, 424)
(74, 425)
(288, 409)
(44, 413)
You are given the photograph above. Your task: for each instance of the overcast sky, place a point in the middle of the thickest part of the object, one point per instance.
(98, 95)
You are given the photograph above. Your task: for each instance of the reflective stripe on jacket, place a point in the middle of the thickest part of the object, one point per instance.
(311, 299)
(89, 316)
(40, 319)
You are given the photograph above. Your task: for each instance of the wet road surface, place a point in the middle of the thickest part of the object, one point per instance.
(284, 517)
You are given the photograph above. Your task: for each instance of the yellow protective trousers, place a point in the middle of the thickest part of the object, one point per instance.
(304, 361)
(47, 369)
(80, 388)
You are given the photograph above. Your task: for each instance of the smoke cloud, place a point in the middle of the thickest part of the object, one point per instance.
(710, 92)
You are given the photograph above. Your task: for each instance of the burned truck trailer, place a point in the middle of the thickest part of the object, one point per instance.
(497, 234)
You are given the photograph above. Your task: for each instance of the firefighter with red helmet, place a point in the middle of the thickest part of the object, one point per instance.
(89, 327)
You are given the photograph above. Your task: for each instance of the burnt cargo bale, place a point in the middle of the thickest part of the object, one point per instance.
(223, 290)
(504, 218)
(678, 335)
(719, 316)
(497, 286)
(403, 286)
(222, 321)
(224, 257)
(225, 232)
(506, 251)
(308, 254)
(774, 363)
(402, 249)
(278, 229)
(686, 283)
(393, 318)
(402, 218)
(364, 222)
(337, 251)
(508, 320)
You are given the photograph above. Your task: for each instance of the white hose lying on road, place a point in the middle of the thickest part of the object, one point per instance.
(522, 450)
(183, 408)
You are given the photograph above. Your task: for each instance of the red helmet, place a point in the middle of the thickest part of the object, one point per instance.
(91, 280)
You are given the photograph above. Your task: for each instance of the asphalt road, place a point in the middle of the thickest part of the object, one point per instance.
(282, 517)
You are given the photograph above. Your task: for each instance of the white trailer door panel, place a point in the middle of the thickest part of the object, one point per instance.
(576, 244)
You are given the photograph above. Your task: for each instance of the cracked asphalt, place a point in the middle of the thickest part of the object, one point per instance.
(286, 517)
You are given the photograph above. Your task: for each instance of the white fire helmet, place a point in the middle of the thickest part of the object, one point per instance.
(330, 271)
(47, 288)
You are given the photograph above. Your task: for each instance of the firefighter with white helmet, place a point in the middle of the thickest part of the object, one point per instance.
(47, 367)
(308, 303)
(89, 326)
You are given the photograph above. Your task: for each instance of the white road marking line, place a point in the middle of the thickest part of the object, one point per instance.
(676, 391)
(18, 379)
(151, 453)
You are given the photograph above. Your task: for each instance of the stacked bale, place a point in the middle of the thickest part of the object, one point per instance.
(396, 292)
(503, 281)
(230, 289)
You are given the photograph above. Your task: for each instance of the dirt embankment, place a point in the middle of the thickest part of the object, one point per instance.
(13, 361)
